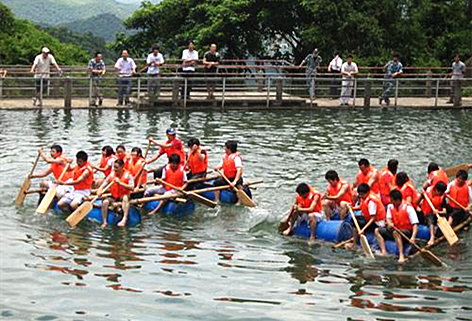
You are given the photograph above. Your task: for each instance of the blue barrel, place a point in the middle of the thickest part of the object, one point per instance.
(226, 196)
(330, 231)
(172, 208)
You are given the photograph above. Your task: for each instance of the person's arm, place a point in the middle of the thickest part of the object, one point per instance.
(133, 67)
(310, 209)
(104, 70)
(413, 234)
(129, 186)
(372, 211)
(219, 166)
(340, 194)
(373, 179)
(239, 170)
(185, 181)
(43, 174)
(355, 71)
(344, 72)
(35, 64)
(82, 177)
(399, 72)
(389, 217)
(414, 221)
(303, 62)
(53, 61)
(161, 145)
(118, 65)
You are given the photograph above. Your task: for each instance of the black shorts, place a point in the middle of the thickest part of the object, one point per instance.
(431, 220)
(222, 182)
(362, 222)
(387, 233)
(458, 215)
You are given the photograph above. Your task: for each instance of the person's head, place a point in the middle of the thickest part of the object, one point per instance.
(364, 165)
(174, 161)
(395, 56)
(98, 56)
(231, 146)
(193, 141)
(171, 133)
(118, 166)
(440, 188)
(303, 189)
(349, 58)
(432, 167)
(392, 165)
(190, 45)
(155, 49)
(332, 177)
(120, 150)
(107, 151)
(363, 190)
(56, 151)
(213, 48)
(136, 152)
(336, 53)
(396, 197)
(401, 179)
(81, 158)
(125, 54)
(315, 52)
(462, 177)
(457, 58)
(45, 51)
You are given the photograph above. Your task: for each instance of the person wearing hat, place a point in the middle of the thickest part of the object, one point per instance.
(173, 145)
(41, 68)
(312, 62)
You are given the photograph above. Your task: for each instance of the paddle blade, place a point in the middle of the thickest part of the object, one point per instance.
(244, 199)
(79, 214)
(22, 193)
(447, 231)
(452, 171)
(366, 247)
(428, 255)
(46, 201)
(202, 199)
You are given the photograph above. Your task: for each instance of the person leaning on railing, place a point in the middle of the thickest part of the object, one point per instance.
(41, 68)
(457, 74)
(3, 73)
(126, 69)
(97, 69)
(393, 69)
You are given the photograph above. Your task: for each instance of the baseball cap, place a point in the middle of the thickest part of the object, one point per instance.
(45, 50)
(171, 131)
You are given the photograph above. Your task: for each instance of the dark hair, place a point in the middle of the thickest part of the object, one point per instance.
(97, 53)
(232, 145)
(174, 159)
(363, 161)
(336, 53)
(432, 167)
(120, 162)
(121, 146)
(302, 189)
(350, 56)
(395, 55)
(137, 150)
(401, 179)
(155, 47)
(82, 155)
(331, 175)
(57, 148)
(392, 165)
(193, 141)
(363, 188)
(190, 42)
(108, 150)
(440, 187)
(462, 174)
(396, 195)
(457, 55)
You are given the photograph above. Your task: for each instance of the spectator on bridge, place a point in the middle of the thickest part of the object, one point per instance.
(41, 68)
(393, 69)
(3, 73)
(97, 69)
(457, 74)
(126, 69)
(211, 59)
(189, 61)
(334, 67)
(312, 62)
(349, 71)
(153, 61)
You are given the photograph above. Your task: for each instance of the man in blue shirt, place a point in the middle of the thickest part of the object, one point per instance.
(97, 69)
(393, 69)
(313, 62)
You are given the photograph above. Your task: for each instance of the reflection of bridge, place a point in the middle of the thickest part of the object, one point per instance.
(264, 84)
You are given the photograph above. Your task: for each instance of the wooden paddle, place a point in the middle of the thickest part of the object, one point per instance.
(452, 171)
(26, 184)
(242, 196)
(340, 244)
(51, 193)
(363, 238)
(426, 254)
(443, 225)
(85, 208)
(193, 195)
(459, 204)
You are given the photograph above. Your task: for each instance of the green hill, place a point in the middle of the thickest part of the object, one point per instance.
(105, 26)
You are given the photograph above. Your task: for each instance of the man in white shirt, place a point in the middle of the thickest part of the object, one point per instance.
(457, 74)
(126, 68)
(153, 61)
(41, 68)
(348, 71)
(334, 67)
(189, 61)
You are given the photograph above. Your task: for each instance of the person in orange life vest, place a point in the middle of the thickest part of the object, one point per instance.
(122, 186)
(307, 206)
(401, 215)
(408, 190)
(173, 173)
(106, 163)
(121, 154)
(367, 174)
(232, 166)
(373, 212)
(57, 163)
(436, 195)
(435, 174)
(197, 163)
(136, 165)
(462, 193)
(82, 180)
(387, 180)
(338, 195)
(173, 145)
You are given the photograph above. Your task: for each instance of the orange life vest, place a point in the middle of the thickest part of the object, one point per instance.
(126, 158)
(88, 181)
(386, 180)
(400, 217)
(117, 191)
(380, 215)
(364, 178)
(195, 164)
(229, 166)
(438, 176)
(104, 162)
(176, 177)
(58, 168)
(172, 150)
(333, 191)
(409, 190)
(308, 200)
(134, 168)
(436, 200)
(459, 194)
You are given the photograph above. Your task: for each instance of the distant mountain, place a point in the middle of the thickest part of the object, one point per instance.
(104, 25)
(55, 12)
(138, 1)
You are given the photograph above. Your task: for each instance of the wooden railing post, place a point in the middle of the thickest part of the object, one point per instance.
(175, 91)
(279, 92)
(457, 92)
(67, 92)
(367, 93)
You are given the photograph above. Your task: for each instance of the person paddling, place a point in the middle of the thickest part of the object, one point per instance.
(408, 190)
(436, 195)
(106, 163)
(460, 192)
(173, 145)
(232, 166)
(136, 165)
(338, 195)
(435, 174)
(368, 175)
(387, 180)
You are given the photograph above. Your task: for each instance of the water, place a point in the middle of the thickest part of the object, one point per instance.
(228, 262)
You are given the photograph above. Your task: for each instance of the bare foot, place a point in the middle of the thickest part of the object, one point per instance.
(122, 223)
(151, 213)
(381, 253)
(311, 241)
(402, 260)
(430, 242)
(286, 232)
(349, 245)
(104, 225)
